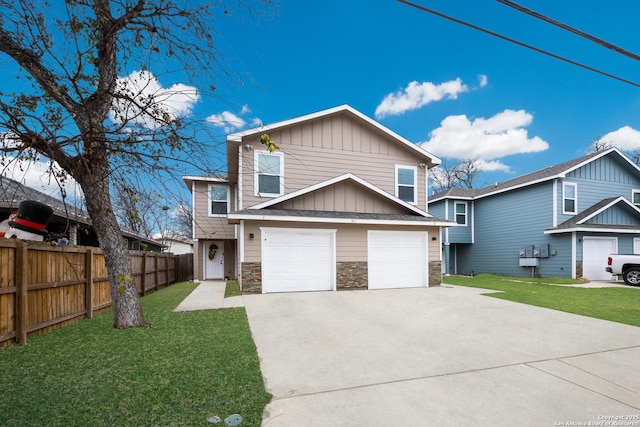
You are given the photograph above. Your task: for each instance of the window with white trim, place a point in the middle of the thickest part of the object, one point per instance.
(269, 173)
(460, 209)
(218, 200)
(406, 184)
(569, 198)
(635, 197)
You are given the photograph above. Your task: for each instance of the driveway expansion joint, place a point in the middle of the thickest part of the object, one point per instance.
(530, 364)
(566, 371)
(450, 357)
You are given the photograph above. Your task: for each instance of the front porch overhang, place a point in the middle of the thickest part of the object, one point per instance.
(330, 217)
(619, 229)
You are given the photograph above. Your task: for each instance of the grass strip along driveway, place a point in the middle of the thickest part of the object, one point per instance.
(187, 367)
(616, 304)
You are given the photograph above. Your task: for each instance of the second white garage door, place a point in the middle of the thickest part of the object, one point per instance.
(595, 251)
(298, 260)
(397, 259)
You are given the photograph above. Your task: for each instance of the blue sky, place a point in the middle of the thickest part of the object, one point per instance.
(457, 92)
(462, 93)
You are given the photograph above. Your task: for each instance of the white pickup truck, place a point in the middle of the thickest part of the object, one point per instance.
(627, 266)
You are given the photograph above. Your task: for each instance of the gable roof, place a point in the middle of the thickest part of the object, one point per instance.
(580, 222)
(237, 137)
(221, 179)
(268, 210)
(333, 217)
(332, 181)
(552, 172)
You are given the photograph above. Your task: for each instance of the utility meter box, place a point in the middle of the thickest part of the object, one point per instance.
(528, 251)
(544, 251)
(529, 262)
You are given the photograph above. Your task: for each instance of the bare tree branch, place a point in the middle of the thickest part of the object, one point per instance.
(72, 107)
(455, 175)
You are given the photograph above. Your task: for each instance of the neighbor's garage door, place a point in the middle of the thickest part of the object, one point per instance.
(298, 260)
(595, 251)
(397, 259)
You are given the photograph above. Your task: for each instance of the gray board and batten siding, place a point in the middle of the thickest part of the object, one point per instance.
(518, 213)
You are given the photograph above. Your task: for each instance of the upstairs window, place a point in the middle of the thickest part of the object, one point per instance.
(569, 198)
(269, 176)
(461, 213)
(406, 188)
(218, 200)
(635, 197)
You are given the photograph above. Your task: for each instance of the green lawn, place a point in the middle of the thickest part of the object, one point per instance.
(616, 304)
(232, 289)
(189, 366)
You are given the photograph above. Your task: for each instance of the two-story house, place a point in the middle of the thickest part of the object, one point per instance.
(562, 221)
(340, 204)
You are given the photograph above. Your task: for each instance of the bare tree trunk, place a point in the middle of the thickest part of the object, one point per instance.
(71, 57)
(127, 311)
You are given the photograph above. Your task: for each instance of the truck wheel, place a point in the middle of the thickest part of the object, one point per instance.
(631, 276)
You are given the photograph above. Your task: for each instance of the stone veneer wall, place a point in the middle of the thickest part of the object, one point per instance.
(351, 275)
(251, 277)
(435, 273)
(579, 269)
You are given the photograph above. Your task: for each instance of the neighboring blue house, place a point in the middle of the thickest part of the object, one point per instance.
(561, 221)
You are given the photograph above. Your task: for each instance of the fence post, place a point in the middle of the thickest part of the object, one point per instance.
(156, 271)
(88, 287)
(21, 292)
(143, 278)
(158, 267)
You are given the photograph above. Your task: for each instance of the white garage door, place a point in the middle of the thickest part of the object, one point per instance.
(595, 251)
(298, 260)
(397, 259)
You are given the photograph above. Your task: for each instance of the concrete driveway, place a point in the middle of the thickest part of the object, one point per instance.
(443, 356)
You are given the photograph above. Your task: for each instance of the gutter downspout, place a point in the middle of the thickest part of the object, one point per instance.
(239, 198)
(196, 242)
(555, 203)
(573, 255)
(239, 227)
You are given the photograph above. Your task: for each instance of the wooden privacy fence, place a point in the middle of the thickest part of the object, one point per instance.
(44, 287)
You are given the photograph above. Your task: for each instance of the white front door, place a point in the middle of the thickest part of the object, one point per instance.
(213, 260)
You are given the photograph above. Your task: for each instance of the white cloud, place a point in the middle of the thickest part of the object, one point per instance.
(486, 139)
(37, 175)
(34, 172)
(10, 141)
(146, 103)
(483, 80)
(416, 95)
(493, 166)
(626, 138)
(231, 122)
(227, 120)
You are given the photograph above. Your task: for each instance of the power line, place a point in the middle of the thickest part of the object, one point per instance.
(519, 43)
(573, 30)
